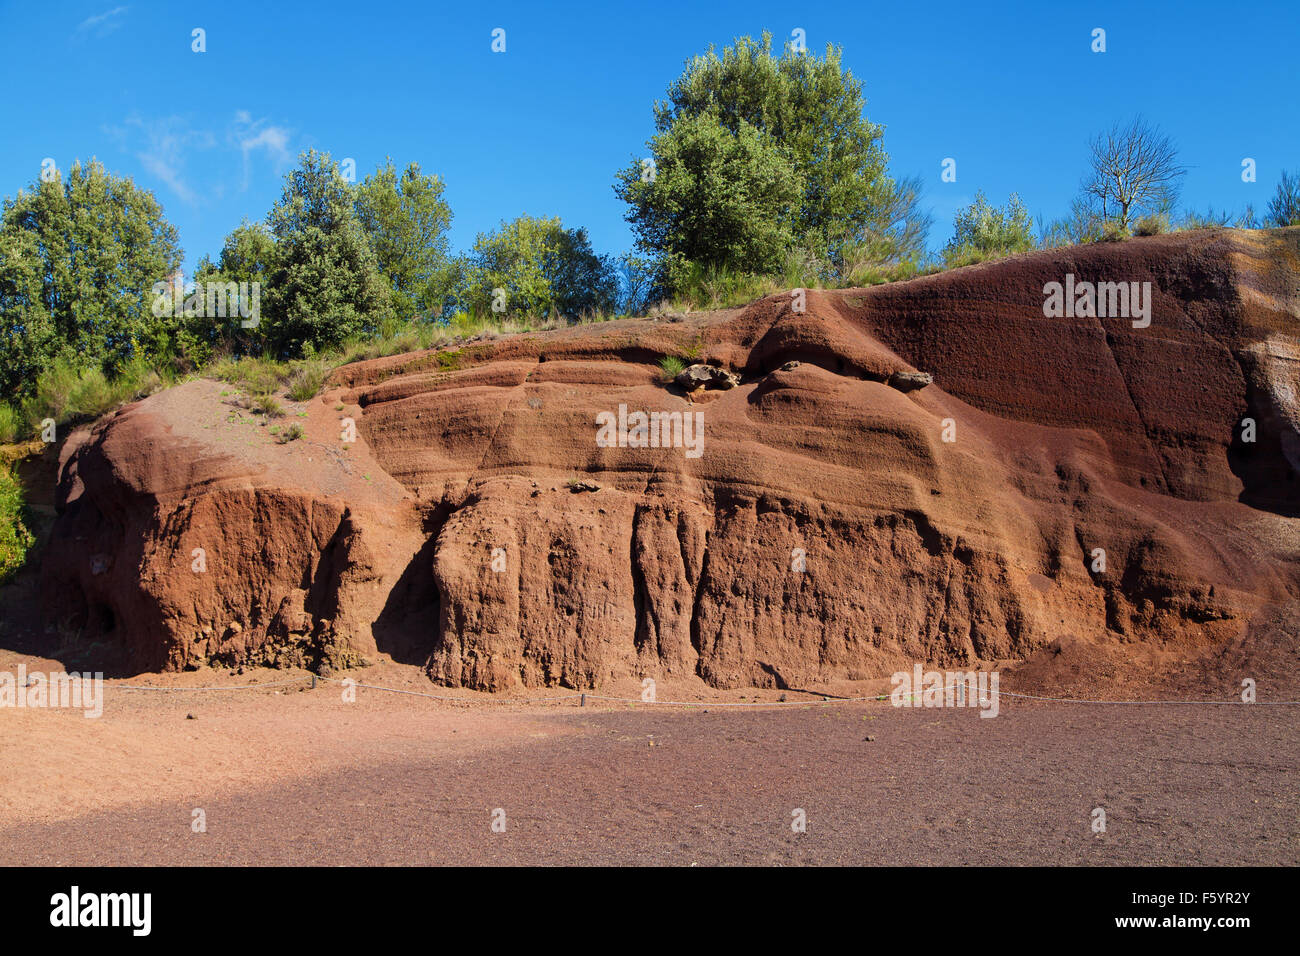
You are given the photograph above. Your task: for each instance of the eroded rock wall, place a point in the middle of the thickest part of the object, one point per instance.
(1059, 478)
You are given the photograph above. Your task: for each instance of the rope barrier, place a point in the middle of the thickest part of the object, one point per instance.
(464, 700)
(1079, 700)
(583, 697)
(738, 703)
(278, 683)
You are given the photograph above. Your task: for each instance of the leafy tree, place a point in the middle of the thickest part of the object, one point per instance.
(540, 267)
(407, 220)
(983, 230)
(720, 198)
(581, 281)
(636, 277)
(325, 285)
(78, 260)
(1284, 207)
(29, 339)
(247, 256)
(806, 109)
(812, 109)
(1134, 172)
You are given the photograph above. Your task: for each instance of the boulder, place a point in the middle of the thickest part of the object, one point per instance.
(706, 376)
(910, 381)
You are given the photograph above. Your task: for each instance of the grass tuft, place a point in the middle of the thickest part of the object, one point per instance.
(672, 366)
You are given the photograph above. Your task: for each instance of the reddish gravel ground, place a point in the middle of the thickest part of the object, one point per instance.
(396, 780)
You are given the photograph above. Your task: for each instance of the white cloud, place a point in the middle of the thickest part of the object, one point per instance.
(165, 147)
(102, 24)
(258, 135)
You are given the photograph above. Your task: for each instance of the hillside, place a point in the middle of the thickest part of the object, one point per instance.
(825, 531)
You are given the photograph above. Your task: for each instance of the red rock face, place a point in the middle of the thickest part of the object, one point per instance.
(839, 519)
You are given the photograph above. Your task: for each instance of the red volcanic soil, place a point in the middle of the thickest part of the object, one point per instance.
(835, 525)
(296, 776)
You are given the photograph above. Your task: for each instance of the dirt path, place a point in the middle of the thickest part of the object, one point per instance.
(404, 781)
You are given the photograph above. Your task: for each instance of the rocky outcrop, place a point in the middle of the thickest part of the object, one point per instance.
(910, 381)
(706, 376)
(824, 511)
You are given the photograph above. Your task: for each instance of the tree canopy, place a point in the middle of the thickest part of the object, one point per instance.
(539, 267)
(755, 153)
(79, 256)
(407, 220)
(325, 285)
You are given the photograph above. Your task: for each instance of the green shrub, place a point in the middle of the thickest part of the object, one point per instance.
(138, 378)
(306, 381)
(1207, 220)
(1284, 207)
(672, 367)
(12, 426)
(878, 273)
(954, 257)
(91, 396)
(803, 269)
(52, 396)
(261, 376)
(716, 287)
(224, 369)
(268, 405)
(1155, 224)
(257, 376)
(15, 537)
(984, 231)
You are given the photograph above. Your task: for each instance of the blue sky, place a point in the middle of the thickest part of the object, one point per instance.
(1011, 91)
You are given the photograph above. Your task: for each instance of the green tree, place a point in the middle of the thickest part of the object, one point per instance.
(248, 257)
(983, 230)
(581, 281)
(809, 109)
(79, 257)
(636, 283)
(325, 285)
(723, 199)
(29, 339)
(407, 220)
(539, 267)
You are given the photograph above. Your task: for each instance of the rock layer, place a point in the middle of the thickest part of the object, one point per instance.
(1058, 478)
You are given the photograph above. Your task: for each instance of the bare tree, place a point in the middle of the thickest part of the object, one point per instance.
(1134, 171)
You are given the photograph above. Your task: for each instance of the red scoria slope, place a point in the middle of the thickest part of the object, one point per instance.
(827, 530)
